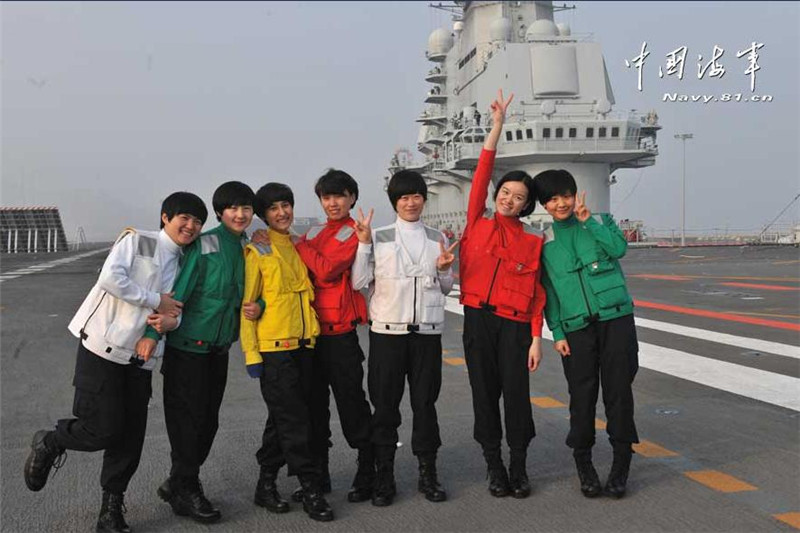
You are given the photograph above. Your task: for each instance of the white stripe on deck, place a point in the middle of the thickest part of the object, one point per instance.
(38, 268)
(769, 387)
(722, 338)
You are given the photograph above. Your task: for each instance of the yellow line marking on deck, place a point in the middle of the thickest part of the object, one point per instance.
(786, 262)
(455, 361)
(793, 519)
(719, 481)
(546, 402)
(650, 449)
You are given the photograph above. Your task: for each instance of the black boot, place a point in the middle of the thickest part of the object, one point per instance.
(385, 488)
(189, 500)
(111, 514)
(166, 490)
(324, 480)
(45, 454)
(590, 482)
(314, 502)
(364, 482)
(267, 494)
(499, 486)
(428, 482)
(518, 475)
(616, 485)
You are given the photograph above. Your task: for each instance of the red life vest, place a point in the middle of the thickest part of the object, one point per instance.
(499, 259)
(329, 251)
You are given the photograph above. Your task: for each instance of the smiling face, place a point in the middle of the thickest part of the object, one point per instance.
(279, 216)
(560, 206)
(237, 218)
(409, 207)
(337, 206)
(183, 228)
(511, 199)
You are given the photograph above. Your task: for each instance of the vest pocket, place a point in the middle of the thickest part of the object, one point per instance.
(519, 281)
(433, 302)
(607, 284)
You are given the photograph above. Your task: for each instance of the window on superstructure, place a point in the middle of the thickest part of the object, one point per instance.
(529, 133)
(479, 138)
(615, 132)
(519, 135)
(509, 136)
(601, 132)
(559, 133)
(546, 133)
(573, 132)
(589, 133)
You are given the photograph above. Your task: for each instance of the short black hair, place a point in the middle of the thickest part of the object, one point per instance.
(230, 194)
(179, 203)
(524, 177)
(406, 182)
(554, 183)
(336, 182)
(271, 193)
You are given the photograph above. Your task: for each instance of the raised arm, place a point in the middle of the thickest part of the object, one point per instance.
(479, 190)
(364, 265)
(606, 233)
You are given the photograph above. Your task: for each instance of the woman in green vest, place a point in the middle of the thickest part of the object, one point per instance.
(590, 314)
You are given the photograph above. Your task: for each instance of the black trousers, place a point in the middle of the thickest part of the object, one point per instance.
(392, 359)
(496, 351)
(338, 366)
(608, 353)
(286, 387)
(194, 384)
(110, 407)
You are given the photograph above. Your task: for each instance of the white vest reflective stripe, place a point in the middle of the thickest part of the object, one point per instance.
(110, 327)
(405, 296)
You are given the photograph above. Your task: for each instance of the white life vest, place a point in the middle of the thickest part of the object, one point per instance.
(406, 296)
(110, 327)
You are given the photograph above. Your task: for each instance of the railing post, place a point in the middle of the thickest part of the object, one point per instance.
(36, 241)
(16, 241)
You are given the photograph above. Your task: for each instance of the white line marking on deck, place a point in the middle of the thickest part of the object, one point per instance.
(769, 387)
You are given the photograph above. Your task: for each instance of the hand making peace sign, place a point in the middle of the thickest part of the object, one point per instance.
(499, 106)
(582, 212)
(446, 257)
(363, 228)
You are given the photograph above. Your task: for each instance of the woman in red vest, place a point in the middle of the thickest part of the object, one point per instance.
(503, 301)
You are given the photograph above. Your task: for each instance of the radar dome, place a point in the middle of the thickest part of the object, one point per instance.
(542, 28)
(563, 29)
(440, 42)
(500, 29)
(458, 27)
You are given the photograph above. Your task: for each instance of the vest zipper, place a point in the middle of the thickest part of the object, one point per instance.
(414, 317)
(491, 285)
(302, 316)
(583, 291)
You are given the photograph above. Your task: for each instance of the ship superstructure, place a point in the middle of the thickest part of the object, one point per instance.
(561, 117)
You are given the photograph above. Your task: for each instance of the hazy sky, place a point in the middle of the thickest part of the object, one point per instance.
(108, 107)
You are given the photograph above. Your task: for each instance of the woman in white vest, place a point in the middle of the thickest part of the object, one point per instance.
(406, 266)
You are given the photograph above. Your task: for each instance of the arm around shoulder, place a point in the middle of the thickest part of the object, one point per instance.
(608, 235)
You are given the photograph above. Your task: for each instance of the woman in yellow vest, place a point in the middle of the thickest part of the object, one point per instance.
(278, 348)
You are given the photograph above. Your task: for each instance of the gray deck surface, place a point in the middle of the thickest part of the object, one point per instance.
(706, 428)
